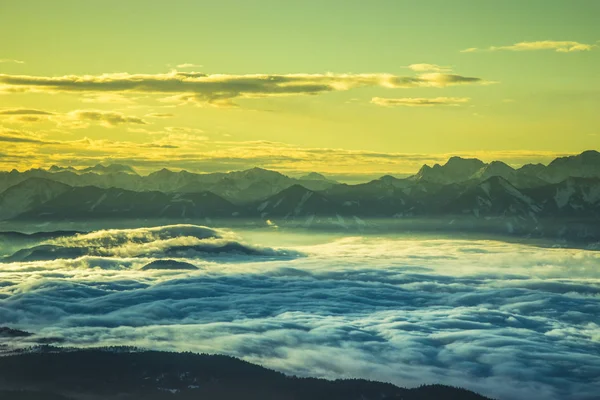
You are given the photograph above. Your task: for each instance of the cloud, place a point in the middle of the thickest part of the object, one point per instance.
(106, 118)
(429, 67)
(188, 65)
(74, 118)
(512, 321)
(193, 150)
(221, 89)
(10, 60)
(188, 241)
(19, 139)
(110, 98)
(558, 46)
(419, 101)
(24, 111)
(160, 115)
(15, 136)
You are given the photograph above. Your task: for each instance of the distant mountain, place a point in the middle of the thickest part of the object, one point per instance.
(584, 165)
(457, 169)
(28, 195)
(384, 196)
(242, 187)
(122, 373)
(296, 201)
(91, 202)
(315, 176)
(98, 169)
(109, 169)
(493, 197)
(569, 198)
(237, 187)
(516, 178)
(464, 189)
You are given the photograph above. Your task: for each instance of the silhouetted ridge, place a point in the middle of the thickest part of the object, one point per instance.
(168, 265)
(112, 372)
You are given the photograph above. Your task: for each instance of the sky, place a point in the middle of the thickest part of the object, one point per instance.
(346, 88)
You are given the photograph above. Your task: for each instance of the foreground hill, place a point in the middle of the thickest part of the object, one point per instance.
(104, 374)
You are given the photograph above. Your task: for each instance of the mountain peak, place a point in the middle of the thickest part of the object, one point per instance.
(164, 172)
(590, 155)
(110, 168)
(586, 157)
(459, 162)
(314, 176)
(259, 171)
(456, 169)
(496, 168)
(388, 178)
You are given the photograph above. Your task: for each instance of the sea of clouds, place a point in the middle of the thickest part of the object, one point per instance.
(512, 321)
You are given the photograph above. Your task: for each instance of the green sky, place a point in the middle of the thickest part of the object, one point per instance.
(296, 86)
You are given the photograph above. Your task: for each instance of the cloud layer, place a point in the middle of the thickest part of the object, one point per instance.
(72, 119)
(563, 46)
(511, 321)
(221, 89)
(420, 101)
(189, 241)
(11, 60)
(429, 67)
(25, 149)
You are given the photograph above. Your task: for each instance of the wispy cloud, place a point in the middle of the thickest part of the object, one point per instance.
(24, 111)
(222, 90)
(105, 118)
(189, 65)
(10, 60)
(18, 136)
(558, 46)
(160, 115)
(19, 139)
(420, 101)
(191, 149)
(429, 67)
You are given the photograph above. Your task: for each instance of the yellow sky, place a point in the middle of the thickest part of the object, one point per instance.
(351, 89)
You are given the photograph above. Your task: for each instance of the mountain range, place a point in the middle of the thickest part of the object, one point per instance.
(561, 199)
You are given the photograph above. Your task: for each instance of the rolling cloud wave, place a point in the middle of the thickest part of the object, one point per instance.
(189, 241)
(510, 321)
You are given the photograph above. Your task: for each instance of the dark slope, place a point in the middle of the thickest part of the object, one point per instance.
(96, 203)
(296, 201)
(157, 375)
(28, 195)
(493, 197)
(573, 197)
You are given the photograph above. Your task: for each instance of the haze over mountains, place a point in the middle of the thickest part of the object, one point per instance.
(561, 199)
